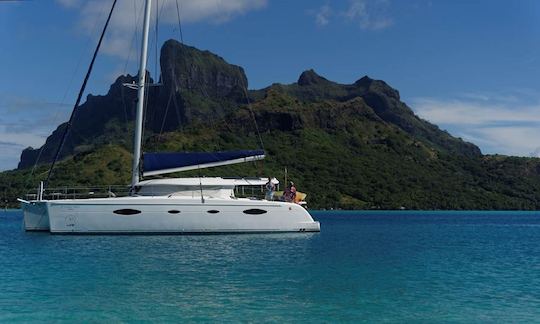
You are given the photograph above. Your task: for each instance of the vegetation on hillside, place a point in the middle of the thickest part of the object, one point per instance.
(349, 161)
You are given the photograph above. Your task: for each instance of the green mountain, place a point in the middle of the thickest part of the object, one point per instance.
(347, 145)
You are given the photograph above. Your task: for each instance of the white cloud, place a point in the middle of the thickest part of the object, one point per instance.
(12, 144)
(26, 122)
(9, 157)
(474, 113)
(20, 139)
(509, 140)
(69, 3)
(127, 17)
(322, 16)
(497, 123)
(370, 15)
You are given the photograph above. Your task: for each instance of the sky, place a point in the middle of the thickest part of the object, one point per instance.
(470, 67)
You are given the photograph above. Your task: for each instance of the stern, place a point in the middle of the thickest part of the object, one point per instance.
(36, 216)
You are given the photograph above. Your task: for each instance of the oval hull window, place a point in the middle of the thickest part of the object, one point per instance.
(174, 211)
(213, 211)
(255, 211)
(127, 211)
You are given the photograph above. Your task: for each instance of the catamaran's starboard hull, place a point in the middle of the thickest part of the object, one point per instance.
(163, 215)
(35, 216)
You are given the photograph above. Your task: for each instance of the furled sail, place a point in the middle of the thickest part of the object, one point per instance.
(160, 163)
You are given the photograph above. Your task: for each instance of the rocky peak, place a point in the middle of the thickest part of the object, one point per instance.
(377, 86)
(310, 77)
(364, 81)
(187, 68)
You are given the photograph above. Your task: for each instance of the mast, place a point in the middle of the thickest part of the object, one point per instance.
(140, 97)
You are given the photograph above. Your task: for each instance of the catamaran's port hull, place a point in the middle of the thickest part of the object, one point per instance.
(36, 217)
(164, 215)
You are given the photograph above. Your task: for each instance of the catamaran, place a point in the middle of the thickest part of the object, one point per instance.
(175, 205)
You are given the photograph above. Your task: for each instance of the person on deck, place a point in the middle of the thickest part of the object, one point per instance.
(293, 192)
(289, 195)
(270, 188)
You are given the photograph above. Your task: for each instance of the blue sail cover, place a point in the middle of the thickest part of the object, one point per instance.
(159, 163)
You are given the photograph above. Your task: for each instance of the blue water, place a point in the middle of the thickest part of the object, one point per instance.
(363, 266)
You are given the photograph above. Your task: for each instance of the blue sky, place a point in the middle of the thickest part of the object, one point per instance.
(470, 67)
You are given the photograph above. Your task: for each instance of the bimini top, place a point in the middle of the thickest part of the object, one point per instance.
(160, 163)
(206, 182)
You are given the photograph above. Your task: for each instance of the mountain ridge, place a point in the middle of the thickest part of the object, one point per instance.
(348, 145)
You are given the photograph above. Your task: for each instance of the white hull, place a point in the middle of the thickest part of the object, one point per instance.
(172, 215)
(36, 217)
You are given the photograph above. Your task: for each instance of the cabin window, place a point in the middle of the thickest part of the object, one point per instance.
(127, 211)
(255, 211)
(213, 211)
(174, 211)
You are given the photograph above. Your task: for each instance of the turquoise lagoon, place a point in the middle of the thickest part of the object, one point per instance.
(364, 266)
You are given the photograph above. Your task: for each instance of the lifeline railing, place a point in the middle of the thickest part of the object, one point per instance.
(110, 191)
(80, 192)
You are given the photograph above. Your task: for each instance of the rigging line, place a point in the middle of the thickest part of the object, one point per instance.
(57, 113)
(174, 86)
(259, 163)
(154, 42)
(253, 116)
(156, 76)
(180, 32)
(164, 119)
(159, 13)
(158, 139)
(137, 22)
(128, 59)
(137, 16)
(145, 111)
(66, 129)
(179, 22)
(157, 41)
(124, 105)
(175, 102)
